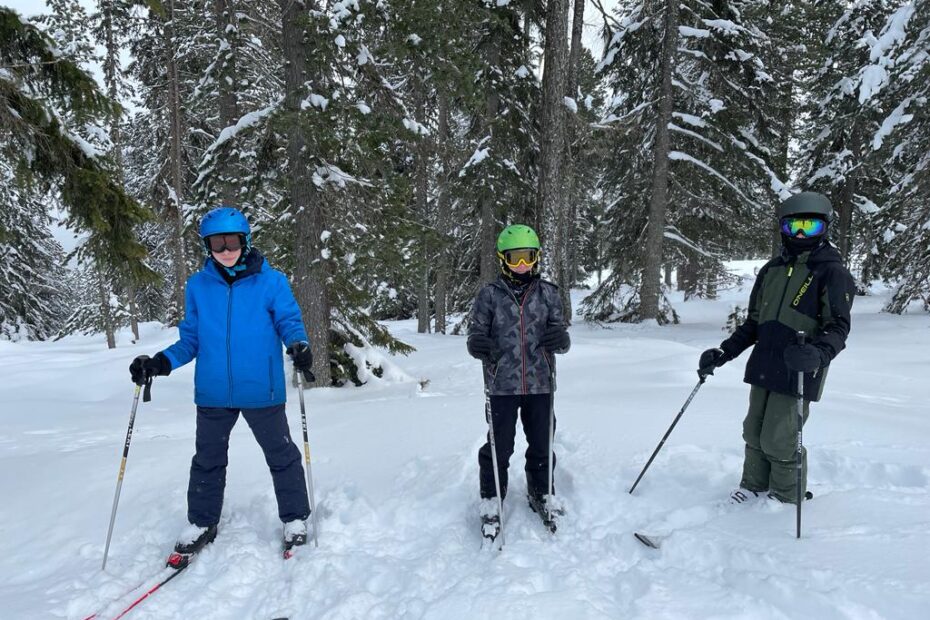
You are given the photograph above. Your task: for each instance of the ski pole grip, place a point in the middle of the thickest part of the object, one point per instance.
(801, 338)
(147, 393)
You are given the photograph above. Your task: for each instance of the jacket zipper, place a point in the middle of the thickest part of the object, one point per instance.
(229, 346)
(784, 291)
(270, 379)
(526, 296)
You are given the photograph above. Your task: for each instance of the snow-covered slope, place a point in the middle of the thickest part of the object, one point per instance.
(396, 477)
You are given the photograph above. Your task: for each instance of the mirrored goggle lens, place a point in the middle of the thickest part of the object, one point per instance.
(527, 256)
(809, 227)
(218, 243)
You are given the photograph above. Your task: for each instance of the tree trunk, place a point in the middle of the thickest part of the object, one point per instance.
(227, 31)
(421, 187)
(306, 204)
(710, 280)
(174, 209)
(486, 204)
(489, 265)
(103, 297)
(786, 122)
(784, 67)
(443, 215)
(847, 195)
(111, 69)
(689, 275)
(567, 264)
(651, 276)
(549, 190)
(133, 312)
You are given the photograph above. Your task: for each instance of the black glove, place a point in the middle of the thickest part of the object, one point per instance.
(483, 348)
(556, 338)
(804, 358)
(144, 368)
(302, 357)
(711, 359)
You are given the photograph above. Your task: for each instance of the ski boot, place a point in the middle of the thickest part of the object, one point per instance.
(295, 535)
(490, 518)
(743, 495)
(548, 507)
(807, 496)
(191, 541)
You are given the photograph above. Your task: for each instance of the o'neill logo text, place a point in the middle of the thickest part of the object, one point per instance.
(803, 290)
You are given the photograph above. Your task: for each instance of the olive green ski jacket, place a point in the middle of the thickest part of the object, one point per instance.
(812, 292)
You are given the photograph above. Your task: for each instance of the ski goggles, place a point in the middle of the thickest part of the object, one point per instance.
(807, 226)
(527, 256)
(221, 243)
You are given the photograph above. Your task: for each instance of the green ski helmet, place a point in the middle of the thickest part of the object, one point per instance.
(518, 240)
(517, 236)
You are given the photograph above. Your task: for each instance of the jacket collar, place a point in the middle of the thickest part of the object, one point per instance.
(504, 284)
(254, 263)
(826, 252)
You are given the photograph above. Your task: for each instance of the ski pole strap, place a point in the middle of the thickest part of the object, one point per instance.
(147, 394)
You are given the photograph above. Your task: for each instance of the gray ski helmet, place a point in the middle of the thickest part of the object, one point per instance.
(806, 203)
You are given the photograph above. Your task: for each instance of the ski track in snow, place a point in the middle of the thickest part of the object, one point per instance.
(396, 485)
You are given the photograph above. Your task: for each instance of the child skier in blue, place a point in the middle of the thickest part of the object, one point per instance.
(238, 313)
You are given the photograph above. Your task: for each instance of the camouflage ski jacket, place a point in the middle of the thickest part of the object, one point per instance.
(517, 328)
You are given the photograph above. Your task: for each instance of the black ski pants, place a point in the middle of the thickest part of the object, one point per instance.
(208, 467)
(534, 414)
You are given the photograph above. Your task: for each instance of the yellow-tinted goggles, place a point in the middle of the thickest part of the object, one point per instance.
(513, 258)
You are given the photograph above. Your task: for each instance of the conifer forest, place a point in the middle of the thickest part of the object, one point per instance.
(379, 146)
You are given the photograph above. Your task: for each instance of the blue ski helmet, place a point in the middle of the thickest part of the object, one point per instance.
(224, 220)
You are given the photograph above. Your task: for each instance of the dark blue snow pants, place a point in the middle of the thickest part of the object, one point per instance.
(534, 413)
(208, 467)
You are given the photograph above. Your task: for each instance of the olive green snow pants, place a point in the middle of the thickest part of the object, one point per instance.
(770, 432)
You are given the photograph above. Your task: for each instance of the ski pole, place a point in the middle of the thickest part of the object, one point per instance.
(551, 437)
(122, 470)
(799, 456)
(303, 423)
(700, 382)
(497, 478)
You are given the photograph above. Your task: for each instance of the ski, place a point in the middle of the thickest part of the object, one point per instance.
(120, 597)
(177, 561)
(164, 577)
(291, 552)
(653, 542)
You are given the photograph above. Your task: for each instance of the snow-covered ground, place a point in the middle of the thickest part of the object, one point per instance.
(396, 483)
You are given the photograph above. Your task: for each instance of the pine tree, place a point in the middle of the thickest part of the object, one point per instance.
(843, 114)
(498, 172)
(167, 135)
(690, 153)
(52, 110)
(32, 300)
(901, 243)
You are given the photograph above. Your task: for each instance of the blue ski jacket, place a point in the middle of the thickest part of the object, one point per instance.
(235, 331)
